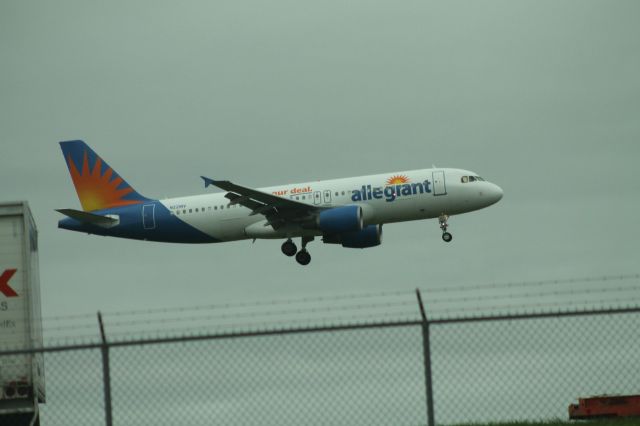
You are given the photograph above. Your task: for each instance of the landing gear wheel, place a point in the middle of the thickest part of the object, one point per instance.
(446, 237)
(303, 257)
(289, 248)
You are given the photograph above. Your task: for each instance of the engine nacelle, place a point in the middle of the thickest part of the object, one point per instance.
(370, 236)
(340, 220)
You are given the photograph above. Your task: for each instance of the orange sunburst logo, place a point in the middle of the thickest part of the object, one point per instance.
(95, 190)
(397, 179)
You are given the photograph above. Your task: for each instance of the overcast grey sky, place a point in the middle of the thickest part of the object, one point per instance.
(540, 97)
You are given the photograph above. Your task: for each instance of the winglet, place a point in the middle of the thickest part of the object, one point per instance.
(208, 181)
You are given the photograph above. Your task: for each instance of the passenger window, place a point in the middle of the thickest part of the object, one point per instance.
(190, 210)
(184, 212)
(215, 207)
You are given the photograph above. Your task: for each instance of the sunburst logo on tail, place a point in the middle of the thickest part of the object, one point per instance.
(96, 190)
(397, 179)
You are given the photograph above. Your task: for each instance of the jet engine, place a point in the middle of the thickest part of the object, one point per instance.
(340, 220)
(370, 236)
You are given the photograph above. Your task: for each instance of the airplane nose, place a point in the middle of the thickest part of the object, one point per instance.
(495, 193)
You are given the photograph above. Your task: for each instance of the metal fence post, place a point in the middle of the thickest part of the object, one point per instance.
(106, 374)
(426, 346)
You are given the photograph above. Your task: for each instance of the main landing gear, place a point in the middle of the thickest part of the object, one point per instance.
(289, 248)
(302, 257)
(446, 236)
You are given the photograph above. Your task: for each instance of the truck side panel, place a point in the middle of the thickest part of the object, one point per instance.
(21, 376)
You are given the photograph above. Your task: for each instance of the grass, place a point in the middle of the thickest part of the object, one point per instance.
(600, 422)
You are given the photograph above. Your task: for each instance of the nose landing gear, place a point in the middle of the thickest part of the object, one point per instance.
(446, 236)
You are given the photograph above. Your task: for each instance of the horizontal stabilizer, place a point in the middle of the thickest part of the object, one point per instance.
(94, 219)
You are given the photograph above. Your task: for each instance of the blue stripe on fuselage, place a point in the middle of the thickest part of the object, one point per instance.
(166, 227)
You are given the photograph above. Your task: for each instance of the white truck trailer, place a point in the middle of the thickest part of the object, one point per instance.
(21, 375)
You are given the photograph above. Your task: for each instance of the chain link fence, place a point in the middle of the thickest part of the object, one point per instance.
(528, 367)
(531, 368)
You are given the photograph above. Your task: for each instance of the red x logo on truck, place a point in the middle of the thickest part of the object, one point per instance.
(4, 283)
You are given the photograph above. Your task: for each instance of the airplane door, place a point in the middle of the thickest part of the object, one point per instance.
(327, 196)
(148, 216)
(439, 185)
(317, 197)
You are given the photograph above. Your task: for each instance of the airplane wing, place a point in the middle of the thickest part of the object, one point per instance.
(277, 210)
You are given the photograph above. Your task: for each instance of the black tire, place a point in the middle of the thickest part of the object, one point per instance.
(447, 237)
(303, 257)
(289, 248)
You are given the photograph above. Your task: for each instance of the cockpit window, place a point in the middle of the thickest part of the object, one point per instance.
(466, 179)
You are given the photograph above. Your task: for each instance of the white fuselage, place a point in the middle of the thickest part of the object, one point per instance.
(384, 198)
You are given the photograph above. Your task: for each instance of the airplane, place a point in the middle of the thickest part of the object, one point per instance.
(349, 211)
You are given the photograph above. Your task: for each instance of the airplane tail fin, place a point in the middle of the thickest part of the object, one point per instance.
(98, 185)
